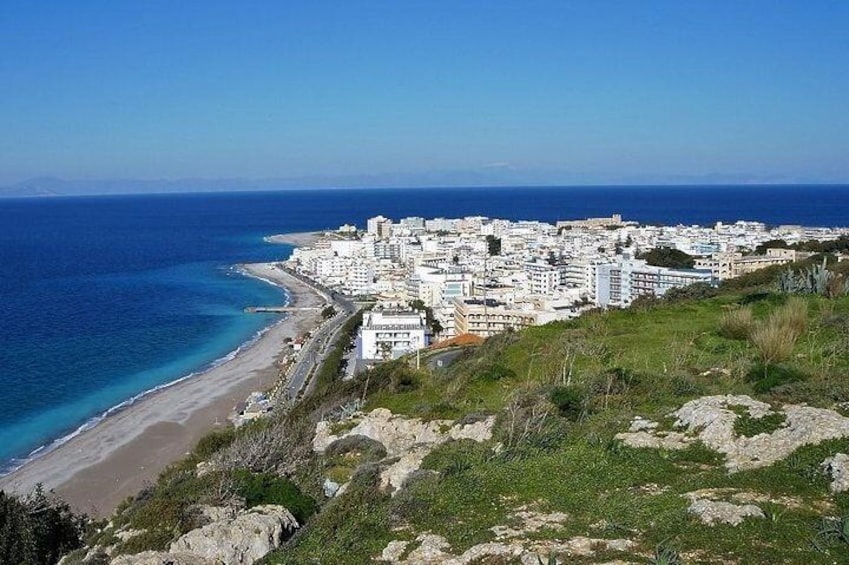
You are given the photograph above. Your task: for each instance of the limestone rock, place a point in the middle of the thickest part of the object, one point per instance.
(706, 506)
(161, 558)
(717, 511)
(838, 467)
(434, 549)
(529, 522)
(408, 439)
(241, 540)
(711, 419)
(330, 488)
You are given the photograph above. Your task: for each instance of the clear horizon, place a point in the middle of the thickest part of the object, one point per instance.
(335, 94)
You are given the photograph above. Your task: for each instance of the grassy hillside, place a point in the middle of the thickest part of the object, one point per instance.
(560, 393)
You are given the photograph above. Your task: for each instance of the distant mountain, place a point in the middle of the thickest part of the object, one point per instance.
(492, 175)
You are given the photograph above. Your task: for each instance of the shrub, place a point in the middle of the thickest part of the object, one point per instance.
(794, 315)
(214, 442)
(769, 377)
(747, 426)
(775, 339)
(737, 323)
(265, 488)
(496, 372)
(148, 540)
(569, 400)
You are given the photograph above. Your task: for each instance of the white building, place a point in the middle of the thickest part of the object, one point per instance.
(618, 284)
(389, 334)
(379, 227)
(542, 277)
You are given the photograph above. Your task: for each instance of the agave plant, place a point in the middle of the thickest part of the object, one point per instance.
(665, 555)
(834, 530)
(788, 283)
(816, 279)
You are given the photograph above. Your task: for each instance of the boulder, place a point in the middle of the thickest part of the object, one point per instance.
(241, 540)
(838, 468)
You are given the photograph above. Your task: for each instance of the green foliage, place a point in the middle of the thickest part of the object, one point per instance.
(571, 402)
(493, 245)
(265, 488)
(766, 377)
(747, 426)
(496, 372)
(695, 291)
(37, 529)
(214, 442)
(833, 531)
(668, 257)
(665, 555)
(328, 312)
(148, 540)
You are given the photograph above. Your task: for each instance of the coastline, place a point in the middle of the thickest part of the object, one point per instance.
(99, 467)
(298, 239)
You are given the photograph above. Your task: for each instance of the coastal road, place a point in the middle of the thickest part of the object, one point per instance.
(316, 349)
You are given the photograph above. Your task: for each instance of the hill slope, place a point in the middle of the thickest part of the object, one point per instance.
(676, 432)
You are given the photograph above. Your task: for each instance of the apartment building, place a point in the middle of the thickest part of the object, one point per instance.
(389, 334)
(619, 284)
(488, 317)
(729, 265)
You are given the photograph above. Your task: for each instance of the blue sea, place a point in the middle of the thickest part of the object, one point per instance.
(105, 298)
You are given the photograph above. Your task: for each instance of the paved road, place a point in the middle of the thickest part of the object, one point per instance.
(320, 344)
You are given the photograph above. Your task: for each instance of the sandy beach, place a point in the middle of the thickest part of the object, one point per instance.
(99, 468)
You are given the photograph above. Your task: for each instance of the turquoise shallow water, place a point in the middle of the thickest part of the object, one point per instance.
(104, 298)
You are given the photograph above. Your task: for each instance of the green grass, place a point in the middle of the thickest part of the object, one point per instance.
(560, 393)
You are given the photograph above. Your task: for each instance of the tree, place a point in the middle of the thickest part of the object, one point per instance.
(430, 320)
(668, 257)
(772, 243)
(493, 245)
(38, 528)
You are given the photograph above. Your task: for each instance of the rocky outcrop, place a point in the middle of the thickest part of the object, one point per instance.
(712, 512)
(161, 558)
(529, 522)
(838, 467)
(711, 420)
(408, 440)
(240, 540)
(433, 549)
(233, 540)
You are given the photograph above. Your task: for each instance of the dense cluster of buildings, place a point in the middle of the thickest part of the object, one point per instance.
(483, 275)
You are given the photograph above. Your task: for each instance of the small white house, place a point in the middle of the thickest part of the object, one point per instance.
(389, 334)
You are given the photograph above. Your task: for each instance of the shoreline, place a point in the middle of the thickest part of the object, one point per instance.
(297, 239)
(99, 467)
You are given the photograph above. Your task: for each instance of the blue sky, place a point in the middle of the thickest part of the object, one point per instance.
(600, 91)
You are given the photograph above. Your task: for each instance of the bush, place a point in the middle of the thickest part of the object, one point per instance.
(737, 323)
(496, 372)
(569, 400)
(775, 339)
(214, 442)
(265, 488)
(769, 377)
